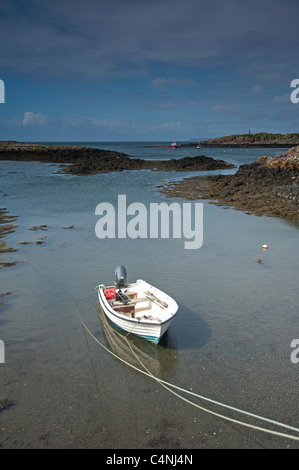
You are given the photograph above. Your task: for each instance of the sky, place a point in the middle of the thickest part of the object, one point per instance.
(135, 70)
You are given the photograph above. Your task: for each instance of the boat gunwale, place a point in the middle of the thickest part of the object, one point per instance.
(143, 321)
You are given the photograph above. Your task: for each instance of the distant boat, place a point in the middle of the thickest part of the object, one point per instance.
(198, 144)
(174, 145)
(138, 307)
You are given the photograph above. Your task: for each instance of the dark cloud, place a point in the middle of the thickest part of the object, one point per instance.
(115, 38)
(193, 64)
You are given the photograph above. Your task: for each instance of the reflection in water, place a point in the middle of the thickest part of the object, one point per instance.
(136, 351)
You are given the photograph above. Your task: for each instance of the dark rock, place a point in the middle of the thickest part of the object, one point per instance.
(265, 187)
(87, 160)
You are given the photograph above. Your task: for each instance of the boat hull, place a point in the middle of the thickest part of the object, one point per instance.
(149, 330)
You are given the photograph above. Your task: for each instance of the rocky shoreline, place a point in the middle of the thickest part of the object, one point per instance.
(79, 160)
(268, 186)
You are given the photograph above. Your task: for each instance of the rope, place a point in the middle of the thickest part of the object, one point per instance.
(218, 414)
(167, 385)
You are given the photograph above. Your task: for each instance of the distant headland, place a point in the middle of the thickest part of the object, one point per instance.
(259, 140)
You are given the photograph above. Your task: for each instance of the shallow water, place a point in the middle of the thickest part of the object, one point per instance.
(230, 341)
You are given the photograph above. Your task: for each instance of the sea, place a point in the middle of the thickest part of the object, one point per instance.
(68, 379)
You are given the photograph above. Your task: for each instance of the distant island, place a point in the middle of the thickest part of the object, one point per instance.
(261, 139)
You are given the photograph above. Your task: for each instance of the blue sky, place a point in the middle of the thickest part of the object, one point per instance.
(147, 70)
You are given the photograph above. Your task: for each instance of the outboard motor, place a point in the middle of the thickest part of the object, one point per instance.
(120, 277)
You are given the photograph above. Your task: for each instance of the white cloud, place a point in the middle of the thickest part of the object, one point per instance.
(163, 84)
(238, 111)
(257, 89)
(168, 106)
(281, 99)
(85, 122)
(193, 104)
(34, 119)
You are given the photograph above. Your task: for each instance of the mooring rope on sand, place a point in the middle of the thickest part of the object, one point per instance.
(170, 386)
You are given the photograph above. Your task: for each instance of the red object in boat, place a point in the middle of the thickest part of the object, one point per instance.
(110, 293)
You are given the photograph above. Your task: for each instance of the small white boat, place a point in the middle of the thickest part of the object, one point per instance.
(138, 307)
(198, 143)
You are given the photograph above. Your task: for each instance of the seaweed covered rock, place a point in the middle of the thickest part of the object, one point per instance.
(268, 186)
